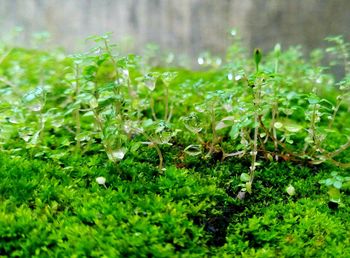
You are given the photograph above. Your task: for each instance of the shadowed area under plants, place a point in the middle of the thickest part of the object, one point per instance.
(104, 155)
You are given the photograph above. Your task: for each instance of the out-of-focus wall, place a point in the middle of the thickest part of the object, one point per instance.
(183, 26)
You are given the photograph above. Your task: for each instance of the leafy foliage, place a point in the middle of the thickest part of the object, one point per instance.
(106, 155)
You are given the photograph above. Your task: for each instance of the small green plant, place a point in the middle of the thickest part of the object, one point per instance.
(259, 124)
(276, 107)
(335, 184)
(157, 134)
(267, 117)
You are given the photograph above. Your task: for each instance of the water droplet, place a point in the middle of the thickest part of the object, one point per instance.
(200, 60)
(199, 109)
(241, 195)
(228, 107)
(238, 77)
(126, 72)
(36, 108)
(93, 103)
(101, 180)
(117, 155)
(290, 190)
(13, 120)
(278, 125)
(170, 58)
(26, 138)
(150, 84)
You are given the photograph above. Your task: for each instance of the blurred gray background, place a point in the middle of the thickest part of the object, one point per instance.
(183, 26)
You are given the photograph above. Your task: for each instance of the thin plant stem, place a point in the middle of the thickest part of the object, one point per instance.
(255, 148)
(214, 139)
(166, 100)
(334, 113)
(3, 57)
(152, 109)
(153, 144)
(339, 150)
(254, 153)
(160, 155)
(312, 128)
(233, 154)
(77, 110)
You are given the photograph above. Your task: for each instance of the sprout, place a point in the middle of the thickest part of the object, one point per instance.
(257, 58)
(101, 181)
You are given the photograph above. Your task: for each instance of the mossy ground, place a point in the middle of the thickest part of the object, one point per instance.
(51, 209)
(53, 149)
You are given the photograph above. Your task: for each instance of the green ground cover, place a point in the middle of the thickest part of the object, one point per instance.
(104, 155)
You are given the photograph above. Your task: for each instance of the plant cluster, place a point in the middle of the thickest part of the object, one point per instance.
(107, 155)
(270, 107)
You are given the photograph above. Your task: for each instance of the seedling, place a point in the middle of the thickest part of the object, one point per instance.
(335, 184)
(158, 133)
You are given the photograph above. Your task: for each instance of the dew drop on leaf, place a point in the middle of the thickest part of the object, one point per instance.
(290, 190)
(293, 128)
(101, 180)
(278, 125)
(36, 108)
(200, 60)
(117, 155)
(13, 120)
(238, 77)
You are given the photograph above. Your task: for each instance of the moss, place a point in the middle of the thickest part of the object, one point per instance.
(52, 206)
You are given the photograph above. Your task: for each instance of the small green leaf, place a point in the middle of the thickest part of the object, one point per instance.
(313, 100)
(328, 182)
(135, 146)
(334, 194)
(334, 173)
(346, 185)
(339, 178)
(293, 128)
(278, 125)
(93, 103)
(193, 150)
(308, 139)
(337, 184)
(245, 177)
(289, 140)
(248, 187)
